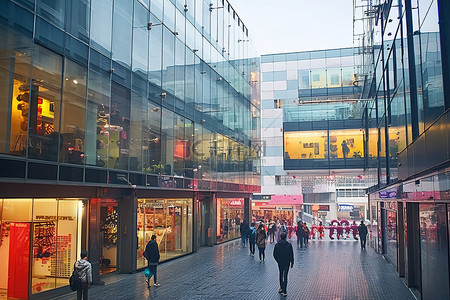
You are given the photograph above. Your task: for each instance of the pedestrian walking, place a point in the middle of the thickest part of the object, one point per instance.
(354, 229)
(362, 229)
(252, 239)
(306, 235)
(299, 232)
(243, 228)
(277, 231)
(284, 255)
(321, 230)
(272, 231)
(261, 242)
(84, 270)
(152, 255)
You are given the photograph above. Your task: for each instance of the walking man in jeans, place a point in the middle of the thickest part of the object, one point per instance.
(152, 255)
(284, 255)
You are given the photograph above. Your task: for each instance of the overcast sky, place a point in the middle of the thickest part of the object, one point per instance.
(278, 26)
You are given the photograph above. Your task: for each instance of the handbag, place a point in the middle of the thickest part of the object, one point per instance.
(148, 273)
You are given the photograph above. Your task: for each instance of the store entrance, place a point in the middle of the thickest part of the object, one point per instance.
(109, 222)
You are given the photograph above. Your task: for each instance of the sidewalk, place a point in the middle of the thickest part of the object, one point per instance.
(325, 270)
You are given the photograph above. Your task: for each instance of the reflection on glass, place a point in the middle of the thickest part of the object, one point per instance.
(433, 246)
(44, 101)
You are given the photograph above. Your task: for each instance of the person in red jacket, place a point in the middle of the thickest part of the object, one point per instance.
(354, 229)
(321, 230)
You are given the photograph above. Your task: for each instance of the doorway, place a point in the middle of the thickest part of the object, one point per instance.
(109, 222)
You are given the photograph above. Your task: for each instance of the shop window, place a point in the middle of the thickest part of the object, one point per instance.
(43, 100)
(170, 220)
(119, 129)
(15, 67)
(73, 111)
(230, 214)
(40, 240)
(347, 143)
(306, 145)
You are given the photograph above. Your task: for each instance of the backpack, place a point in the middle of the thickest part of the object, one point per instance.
(74, 280)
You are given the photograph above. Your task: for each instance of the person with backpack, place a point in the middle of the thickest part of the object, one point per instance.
(261, 242)
(252, 238)
(83, 269)
(151, 253)
(306, 234)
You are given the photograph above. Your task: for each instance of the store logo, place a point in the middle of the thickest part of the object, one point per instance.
(345, 207)
(235, 203)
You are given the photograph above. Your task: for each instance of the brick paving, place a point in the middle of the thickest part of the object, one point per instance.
(325, 270)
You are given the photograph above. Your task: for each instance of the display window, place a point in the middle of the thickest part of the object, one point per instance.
(230, 214)
(268, 215)
(109, 222)
(39, 243)
(171, 221)
(305, 145)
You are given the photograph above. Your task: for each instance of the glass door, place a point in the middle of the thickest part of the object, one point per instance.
(109, 221)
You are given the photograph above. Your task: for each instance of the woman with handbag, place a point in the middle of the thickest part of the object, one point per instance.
(151, 253)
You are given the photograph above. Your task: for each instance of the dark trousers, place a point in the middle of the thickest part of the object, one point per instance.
(262, 255)
(252, 248)
(363, 242)
(83, 291)
(243, 238)
(153, 270)
(283, 277)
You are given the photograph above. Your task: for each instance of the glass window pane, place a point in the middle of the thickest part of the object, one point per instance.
(121, 44)
(101, 25)
(119, 129)
(44, 104)
(15, 67)
(52, 11)
(167, 141)
(77, 19)
(73, 113)
(306, 145)
(44, 260)
(97, 124)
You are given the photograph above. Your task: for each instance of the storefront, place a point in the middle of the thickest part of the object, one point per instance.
(230, 214)
(39, 243)
(171, 221)
(278, 208)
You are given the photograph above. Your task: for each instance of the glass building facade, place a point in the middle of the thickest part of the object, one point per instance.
(404, 47)
(146, 110)
(312, 129)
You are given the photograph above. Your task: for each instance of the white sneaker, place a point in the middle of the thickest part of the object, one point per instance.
(156, 284)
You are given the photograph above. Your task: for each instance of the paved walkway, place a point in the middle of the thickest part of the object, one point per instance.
(325, 270)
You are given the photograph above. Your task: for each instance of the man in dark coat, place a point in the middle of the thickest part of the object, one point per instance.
(243, 228)
(284, 255)
(362, 229)
(152, 255)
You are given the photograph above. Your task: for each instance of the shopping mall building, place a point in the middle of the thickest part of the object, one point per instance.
(313, 138)
(404, 46)
(119, 121)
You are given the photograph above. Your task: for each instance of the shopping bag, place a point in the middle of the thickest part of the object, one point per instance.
(148, 273)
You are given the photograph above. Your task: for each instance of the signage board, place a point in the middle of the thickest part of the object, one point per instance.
(388, 194)
(345, 207)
